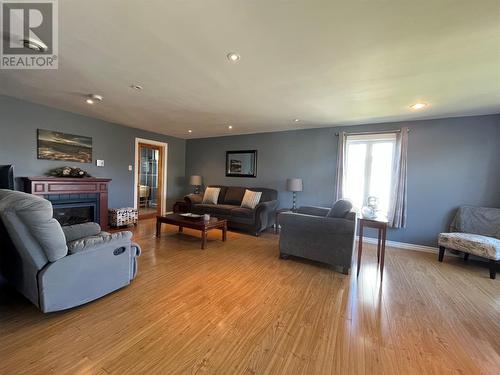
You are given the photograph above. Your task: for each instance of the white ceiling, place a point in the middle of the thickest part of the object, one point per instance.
(326, 62)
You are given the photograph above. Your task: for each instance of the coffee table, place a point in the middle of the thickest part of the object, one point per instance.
(193, 223)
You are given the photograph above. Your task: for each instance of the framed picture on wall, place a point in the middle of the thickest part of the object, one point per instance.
(241, 163)
(61, 146)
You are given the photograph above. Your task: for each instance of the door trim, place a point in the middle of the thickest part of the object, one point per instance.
(164, 171)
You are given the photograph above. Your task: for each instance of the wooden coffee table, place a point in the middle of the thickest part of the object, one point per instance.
(193, 223)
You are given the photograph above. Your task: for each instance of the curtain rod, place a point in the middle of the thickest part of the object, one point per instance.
(379, 132)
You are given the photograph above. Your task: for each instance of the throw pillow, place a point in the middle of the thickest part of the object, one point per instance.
(340, 208)
(251, 199)
(211, 195)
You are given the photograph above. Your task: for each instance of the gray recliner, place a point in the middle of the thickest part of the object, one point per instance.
(321, 234)
(57, 267)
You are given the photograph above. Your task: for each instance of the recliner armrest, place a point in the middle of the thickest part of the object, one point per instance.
(77, 231)
(103, 239)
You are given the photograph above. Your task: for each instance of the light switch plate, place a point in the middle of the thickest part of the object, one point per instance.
(130, 168)
(99, 163)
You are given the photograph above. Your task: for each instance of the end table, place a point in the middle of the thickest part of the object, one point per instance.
(381, 225)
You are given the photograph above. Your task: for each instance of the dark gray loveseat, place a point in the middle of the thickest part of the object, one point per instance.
(228, 207)
(320, 234)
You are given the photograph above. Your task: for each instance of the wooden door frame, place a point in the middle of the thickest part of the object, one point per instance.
(163, 170)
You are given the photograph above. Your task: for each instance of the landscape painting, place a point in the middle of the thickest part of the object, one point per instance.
(61, 146)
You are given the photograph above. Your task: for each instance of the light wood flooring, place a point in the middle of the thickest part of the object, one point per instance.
(235, 308)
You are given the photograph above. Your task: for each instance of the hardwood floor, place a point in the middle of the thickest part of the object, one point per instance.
(236, 308)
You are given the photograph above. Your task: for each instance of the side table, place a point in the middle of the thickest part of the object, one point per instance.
(381, 225)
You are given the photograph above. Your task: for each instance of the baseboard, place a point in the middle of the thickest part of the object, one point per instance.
(404, 245)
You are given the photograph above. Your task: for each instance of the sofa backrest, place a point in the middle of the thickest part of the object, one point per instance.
(234, 194)
(484, 221)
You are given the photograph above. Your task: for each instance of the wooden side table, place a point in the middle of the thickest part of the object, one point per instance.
(381, 225)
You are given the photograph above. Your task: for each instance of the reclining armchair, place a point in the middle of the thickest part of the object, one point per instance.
(320, 234)
(56, 267)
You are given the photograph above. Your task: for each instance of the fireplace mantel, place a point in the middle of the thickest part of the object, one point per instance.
(61, 185)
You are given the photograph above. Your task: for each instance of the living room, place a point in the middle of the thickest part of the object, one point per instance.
(250, 187)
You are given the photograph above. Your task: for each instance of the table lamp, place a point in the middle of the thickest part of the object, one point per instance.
(195, 181)
(294, 185)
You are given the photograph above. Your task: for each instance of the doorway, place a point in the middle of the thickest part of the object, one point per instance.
(150, 187)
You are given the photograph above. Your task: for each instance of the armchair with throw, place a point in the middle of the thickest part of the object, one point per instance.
(56, 267)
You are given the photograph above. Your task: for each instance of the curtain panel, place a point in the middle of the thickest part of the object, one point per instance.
(341, 166)
(398, 207)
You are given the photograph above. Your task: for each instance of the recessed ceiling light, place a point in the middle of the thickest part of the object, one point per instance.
(418, 106)
(190, 131)
(296, 120)
(94, 98)
(136, 87)
(230, 127)
(233, 57)
(35, 45)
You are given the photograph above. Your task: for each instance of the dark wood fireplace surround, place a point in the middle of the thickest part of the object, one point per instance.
(55, 185)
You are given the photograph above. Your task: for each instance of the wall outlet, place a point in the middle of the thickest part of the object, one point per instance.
(99, 163)
(130, 168)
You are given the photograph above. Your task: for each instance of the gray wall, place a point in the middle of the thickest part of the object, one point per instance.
(451, 162)
(114, 143)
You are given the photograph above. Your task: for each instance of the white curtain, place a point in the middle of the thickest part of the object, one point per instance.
(341, 160)
(398, 206)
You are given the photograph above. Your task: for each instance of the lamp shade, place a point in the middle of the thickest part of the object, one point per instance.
(195, 180)
(294, 184)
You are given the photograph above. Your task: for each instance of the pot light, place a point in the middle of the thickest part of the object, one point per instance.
(296, 120)
(35, 45)
(94, 98)
(230, 127)
(190, 131)
(233, 57)
(136, 87)
(418, 106)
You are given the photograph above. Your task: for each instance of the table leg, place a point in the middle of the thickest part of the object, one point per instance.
(378, 244)
(158, 228)
(276, 224)
(360, 247)
(224, 232)
(181, 229)
(203, 239)
(382, 255)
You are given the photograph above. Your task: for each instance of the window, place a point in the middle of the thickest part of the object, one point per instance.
(369, 165)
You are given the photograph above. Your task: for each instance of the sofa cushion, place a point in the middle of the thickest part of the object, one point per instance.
(483, 246)
(340, 208)
(211, 195)
(234, 195)
(213, 209)
(242, 212)
(251, 199)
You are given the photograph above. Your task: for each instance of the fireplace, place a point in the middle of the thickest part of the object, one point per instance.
(75, 200)
(71, 209)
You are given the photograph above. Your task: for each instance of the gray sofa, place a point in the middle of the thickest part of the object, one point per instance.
(476, 231)
(321, 234)
(57, 267)
(228, 207)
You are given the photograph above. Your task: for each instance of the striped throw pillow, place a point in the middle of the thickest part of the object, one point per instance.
(211, 195)
(251, 199)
